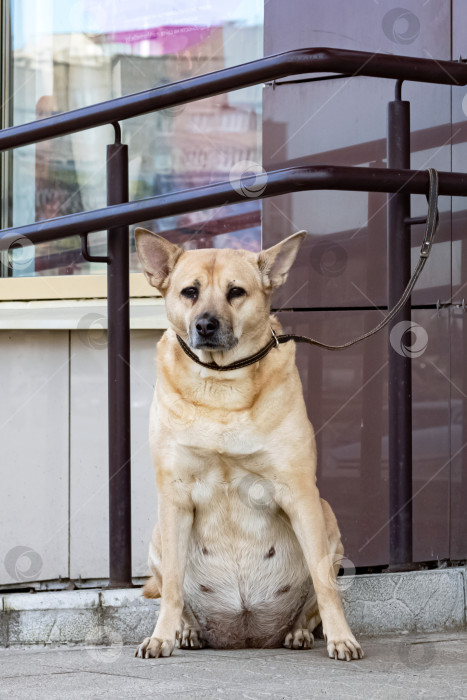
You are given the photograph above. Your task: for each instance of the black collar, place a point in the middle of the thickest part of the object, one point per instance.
(274, 342)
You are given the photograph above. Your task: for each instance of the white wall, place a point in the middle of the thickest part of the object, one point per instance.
(53, 454)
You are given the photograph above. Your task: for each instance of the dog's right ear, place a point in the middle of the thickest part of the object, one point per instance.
(157, 255)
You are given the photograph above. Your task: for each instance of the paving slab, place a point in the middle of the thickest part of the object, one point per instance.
(402, 667)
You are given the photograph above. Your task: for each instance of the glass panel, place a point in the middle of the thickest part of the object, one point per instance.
(67, 54)
(344, 122)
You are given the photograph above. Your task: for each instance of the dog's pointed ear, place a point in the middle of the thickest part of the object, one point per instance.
(157, 255)
(275, 263)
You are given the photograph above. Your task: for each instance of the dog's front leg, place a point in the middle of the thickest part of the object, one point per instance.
(175, 520)
(300, 500)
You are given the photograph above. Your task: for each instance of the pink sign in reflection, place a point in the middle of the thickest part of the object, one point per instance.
(162, 40)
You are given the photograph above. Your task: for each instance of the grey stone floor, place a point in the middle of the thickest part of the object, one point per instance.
(403, 666)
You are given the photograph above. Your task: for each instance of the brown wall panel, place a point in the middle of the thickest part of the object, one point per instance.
(458, 337)
(346, 395)
(458, 343)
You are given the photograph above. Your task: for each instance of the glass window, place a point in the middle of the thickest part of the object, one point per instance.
(66, 54)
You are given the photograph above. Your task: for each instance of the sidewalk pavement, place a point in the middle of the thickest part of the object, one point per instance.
(402, 666)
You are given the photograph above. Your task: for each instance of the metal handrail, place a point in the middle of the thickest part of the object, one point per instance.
(275, 182)
(270, 68)
(399, 180)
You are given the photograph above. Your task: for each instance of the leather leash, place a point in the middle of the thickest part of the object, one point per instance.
(432, 222)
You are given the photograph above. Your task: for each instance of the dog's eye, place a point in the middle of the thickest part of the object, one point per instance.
(235, 292)
(190, 293)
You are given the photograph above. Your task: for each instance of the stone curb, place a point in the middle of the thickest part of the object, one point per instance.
(76, 617)
(375, 604)
(415, 601)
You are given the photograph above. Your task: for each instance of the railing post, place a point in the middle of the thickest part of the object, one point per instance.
(400, 370)
(118, 306)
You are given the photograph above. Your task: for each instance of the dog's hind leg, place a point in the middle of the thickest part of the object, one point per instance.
(301, 634)
(191, 632)
(153, 587)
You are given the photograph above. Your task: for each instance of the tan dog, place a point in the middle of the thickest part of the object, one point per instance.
(245, 553)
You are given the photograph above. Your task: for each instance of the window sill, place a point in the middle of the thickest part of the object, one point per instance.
(68, 287)
(74, 314)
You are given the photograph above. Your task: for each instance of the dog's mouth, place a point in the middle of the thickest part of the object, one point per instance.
(216, 344)
(213, 346)
(208, 345)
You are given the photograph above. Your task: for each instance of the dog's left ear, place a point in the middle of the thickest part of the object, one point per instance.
(275, 263)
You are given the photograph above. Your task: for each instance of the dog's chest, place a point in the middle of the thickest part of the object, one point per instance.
(216, 433)
(234, 440)
(213, 416)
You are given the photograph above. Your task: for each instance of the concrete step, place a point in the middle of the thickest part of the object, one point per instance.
(375, 604)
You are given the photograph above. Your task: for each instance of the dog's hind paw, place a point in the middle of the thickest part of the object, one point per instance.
(298, 639)
(190, 639)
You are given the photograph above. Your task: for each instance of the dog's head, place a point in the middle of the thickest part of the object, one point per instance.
(216, 299)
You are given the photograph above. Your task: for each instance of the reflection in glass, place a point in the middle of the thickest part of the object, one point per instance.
(71, 54)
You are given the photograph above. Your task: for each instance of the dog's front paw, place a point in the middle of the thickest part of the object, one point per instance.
(153, 648)
(298, 639)
(344, 649)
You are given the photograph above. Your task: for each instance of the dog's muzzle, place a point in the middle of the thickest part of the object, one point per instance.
(208, 332)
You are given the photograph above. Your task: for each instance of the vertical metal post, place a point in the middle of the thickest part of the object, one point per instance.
(6, 119)
(118, 305)
(400, 370)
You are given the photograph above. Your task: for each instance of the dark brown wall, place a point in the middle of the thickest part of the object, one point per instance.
(340, 276)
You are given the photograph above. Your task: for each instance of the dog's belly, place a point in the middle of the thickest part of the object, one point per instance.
(246, 579)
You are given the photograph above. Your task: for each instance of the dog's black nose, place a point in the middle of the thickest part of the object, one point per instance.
(207, 325)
